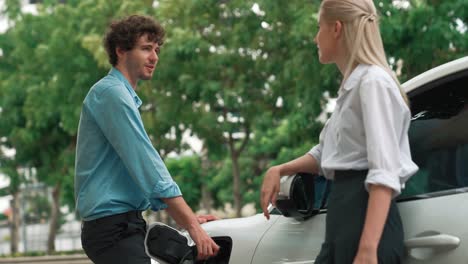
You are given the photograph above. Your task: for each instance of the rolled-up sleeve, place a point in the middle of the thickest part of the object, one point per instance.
(382, 123)
(316, 153)
(163, 190)
(118, 117)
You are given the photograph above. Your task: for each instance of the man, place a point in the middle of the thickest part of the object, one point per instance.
(118, 173)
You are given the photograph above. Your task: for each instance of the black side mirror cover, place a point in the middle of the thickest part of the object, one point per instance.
(302, 197)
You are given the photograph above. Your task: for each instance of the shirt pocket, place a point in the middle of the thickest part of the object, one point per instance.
(348, 125)
(333, 127)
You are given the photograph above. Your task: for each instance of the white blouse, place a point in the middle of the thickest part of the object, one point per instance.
(368, 130)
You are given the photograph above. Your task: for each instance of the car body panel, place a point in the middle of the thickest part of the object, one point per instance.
(434, 216)
(288, 234)
(249, 230)
(435, 74)
(435, 223)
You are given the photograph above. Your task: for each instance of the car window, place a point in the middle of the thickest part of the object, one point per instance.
(439, 138)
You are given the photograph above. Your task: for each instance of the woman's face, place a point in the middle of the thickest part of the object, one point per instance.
(327, 41)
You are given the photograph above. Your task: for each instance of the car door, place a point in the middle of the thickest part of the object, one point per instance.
(434, 204)
(291, 241)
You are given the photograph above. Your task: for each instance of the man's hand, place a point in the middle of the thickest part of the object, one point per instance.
(206, 247)
(184, 217)
(206, 218)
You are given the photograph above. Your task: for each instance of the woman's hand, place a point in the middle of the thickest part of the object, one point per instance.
(270, 189)
(377, 212)
(271, 181)
(366, 256)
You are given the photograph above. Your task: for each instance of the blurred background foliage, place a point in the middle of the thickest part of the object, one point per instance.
(241, 76)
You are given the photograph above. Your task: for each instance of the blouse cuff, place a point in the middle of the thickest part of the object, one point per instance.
(164, 190)
(384, 178)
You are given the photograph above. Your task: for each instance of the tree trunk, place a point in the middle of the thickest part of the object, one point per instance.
(235, 154)
(15, 223)
(236, 184)
(54, 216)
(206, 201)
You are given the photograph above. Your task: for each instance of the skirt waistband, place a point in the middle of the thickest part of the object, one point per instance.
(339, 174)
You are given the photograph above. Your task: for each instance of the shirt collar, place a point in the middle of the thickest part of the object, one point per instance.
(116, 73)
(354, 78)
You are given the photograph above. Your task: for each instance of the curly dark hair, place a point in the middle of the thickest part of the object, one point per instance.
(124, 34)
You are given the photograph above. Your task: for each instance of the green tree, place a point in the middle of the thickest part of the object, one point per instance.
(424, 34)
(233, 64)
(46, 71)
(241, 75)
(187, 172)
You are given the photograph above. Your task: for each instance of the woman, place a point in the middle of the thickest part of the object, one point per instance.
(363, 147)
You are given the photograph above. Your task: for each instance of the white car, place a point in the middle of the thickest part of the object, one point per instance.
(433, 206)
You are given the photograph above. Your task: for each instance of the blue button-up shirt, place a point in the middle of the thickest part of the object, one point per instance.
(117, 168)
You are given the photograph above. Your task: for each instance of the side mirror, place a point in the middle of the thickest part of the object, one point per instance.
(297, 196)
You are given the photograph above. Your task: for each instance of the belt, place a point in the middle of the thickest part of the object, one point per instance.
(129, 216)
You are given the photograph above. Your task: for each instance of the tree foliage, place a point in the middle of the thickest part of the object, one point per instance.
(241, 75)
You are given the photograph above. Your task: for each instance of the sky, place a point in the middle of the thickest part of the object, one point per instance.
(5, 200)
(26, 8)
(3, 22)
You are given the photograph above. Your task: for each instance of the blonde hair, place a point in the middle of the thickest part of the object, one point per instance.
(361, 34)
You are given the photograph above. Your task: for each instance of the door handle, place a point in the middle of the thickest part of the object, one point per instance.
(440, 241)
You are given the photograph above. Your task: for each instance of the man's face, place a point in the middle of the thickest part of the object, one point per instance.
(140, 62)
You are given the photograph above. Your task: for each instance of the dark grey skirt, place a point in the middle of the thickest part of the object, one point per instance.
(346, 214)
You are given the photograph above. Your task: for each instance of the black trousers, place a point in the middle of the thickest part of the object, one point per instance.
(116, 239)
(347, 208)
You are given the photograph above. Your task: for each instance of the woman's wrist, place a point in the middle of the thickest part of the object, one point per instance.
(275, 170)
(368, 244)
